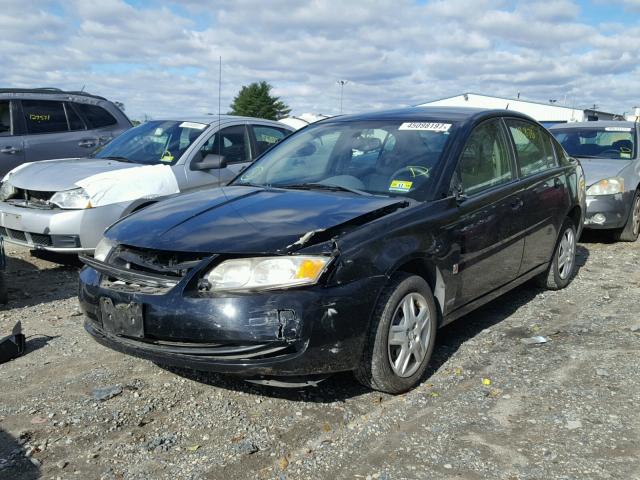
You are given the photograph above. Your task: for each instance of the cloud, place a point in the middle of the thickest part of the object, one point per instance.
(162, 59)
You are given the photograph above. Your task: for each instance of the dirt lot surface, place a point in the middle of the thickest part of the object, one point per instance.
(490, 407)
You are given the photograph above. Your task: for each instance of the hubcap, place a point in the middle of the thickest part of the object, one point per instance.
(566, 253)
(636, 216)
(409, 335)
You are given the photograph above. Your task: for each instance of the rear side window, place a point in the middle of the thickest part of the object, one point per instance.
(485, 160)
(266, 137)
(96, 117)
(234, 147)
(533, 147)
(5, 119)
(75, 122)
(43, 116)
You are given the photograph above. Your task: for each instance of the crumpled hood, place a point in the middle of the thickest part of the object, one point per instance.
(596, 169)
(61, 174)
(240, 219)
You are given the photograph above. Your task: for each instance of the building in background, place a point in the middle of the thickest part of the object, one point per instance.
(545, 113)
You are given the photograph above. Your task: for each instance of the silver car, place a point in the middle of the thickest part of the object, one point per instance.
(610, 157)
(64, 205)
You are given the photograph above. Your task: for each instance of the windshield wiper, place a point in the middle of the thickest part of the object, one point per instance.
(325, 186)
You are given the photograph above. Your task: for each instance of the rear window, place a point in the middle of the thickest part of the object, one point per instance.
(42, 116)
(613, 142)
(97, 117)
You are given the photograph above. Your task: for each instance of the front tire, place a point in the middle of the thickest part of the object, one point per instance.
(631, 230)
(401, 337)
(563, 264)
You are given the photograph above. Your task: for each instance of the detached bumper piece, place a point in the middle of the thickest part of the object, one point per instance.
(12, 346)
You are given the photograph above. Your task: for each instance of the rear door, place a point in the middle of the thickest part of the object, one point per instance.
(11, 140)
(545, 193)
(489, 228)
(54, 130)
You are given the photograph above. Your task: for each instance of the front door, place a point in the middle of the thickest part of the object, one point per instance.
(489, 228)
(11, 142)
(234, 145)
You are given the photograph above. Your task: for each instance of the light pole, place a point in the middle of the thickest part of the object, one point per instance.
(342, 83)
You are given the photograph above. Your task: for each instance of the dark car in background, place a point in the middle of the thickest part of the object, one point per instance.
(608, 152)
(44, 123)
(344, 247)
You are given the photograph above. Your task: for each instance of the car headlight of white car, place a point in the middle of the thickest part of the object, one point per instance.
(7, 191)
(103, 249)
(607, 186)
(264, 273)
(71, 199)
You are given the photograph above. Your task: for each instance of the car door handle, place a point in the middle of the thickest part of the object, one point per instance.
(516, 203)
(10, 150)
(87, 143)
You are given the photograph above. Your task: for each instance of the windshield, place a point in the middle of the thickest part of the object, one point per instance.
(154, 142)
(602, 142)
(367, 157)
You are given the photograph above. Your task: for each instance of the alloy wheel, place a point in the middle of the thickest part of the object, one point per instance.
(409, 335)
(566, 253)
(635, 216)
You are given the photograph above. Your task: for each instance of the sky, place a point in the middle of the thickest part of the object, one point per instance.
(162, 57)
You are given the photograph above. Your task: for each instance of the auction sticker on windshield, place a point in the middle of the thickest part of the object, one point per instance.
(426, 126)
(194, 125)
(402, 186)
(617, 129)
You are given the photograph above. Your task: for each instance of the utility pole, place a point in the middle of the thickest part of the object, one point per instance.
(342, 83)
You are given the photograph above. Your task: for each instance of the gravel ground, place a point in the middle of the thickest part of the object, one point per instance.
(490, 407)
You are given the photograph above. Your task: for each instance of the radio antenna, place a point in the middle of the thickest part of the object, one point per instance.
(219, 104)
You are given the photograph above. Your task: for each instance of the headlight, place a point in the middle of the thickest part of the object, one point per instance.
(76, 198)
(608, 186)
(267, 272)
(103, 249)
(7, 191)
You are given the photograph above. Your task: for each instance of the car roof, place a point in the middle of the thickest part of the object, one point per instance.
(453, 114)
(595, 124)
(48, 91)
(214, 119)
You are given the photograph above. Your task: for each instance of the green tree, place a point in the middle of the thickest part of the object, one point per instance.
(255, 100)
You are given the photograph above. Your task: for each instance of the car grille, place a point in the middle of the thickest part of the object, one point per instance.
(16, 235)
(164, 269)
(41, 239)
(32, 198)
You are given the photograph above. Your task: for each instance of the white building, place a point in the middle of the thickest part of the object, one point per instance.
(543, 112)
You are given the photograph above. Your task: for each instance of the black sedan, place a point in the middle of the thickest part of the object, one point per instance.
(344, 247)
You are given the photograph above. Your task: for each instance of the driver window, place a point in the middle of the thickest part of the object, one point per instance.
(234, 147)
(485, 161)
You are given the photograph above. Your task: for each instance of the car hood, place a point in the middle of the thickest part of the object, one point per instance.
(596, 169)
(61, 174)
(240, 219)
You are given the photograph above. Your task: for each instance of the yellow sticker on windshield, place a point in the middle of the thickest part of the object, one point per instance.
(167, 157)
(400, 186)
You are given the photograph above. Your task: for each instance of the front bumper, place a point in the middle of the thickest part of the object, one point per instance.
(57, 230)
(289, 332)
(608, 211)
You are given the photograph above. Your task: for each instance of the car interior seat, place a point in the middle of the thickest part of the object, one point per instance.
(5, 120)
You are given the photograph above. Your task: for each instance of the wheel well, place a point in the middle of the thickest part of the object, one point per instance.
(431, 275)
(575, 214)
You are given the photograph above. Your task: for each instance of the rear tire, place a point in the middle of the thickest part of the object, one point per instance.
(401, 336)
(629, 233)
(563, 263)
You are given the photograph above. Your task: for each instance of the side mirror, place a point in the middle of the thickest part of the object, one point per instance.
(212, 161)
(456, 188)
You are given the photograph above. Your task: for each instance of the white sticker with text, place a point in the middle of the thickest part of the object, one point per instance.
(194, 125)
(618, 129)
(426, 126)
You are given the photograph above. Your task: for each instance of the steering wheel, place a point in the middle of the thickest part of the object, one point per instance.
(414, 171)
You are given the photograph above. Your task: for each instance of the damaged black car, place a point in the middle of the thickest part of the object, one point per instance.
(343, 248)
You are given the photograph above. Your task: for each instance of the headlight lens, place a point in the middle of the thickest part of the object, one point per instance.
(76, 198)
(267, 272)
(608, 186)
(103, 249)
(6, 191)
